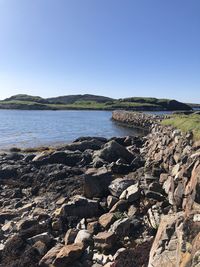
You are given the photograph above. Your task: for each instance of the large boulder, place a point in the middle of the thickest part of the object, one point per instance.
(68, 255)
(59, 157)
(112, 151)
(92, 144)
(96, 182)
(17, 253)
(81, 207)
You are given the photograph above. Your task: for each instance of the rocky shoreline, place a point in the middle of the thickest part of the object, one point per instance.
(136, 119)
(119, 202)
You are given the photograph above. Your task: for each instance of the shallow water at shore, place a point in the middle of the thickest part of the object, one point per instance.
(22, 128)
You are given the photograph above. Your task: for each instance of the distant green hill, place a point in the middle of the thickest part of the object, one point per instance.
(193, 105)
(90, 102)
(71, 99)
(29, 98)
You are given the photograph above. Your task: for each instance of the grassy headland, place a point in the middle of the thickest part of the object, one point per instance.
(90, 102)
(185, 123)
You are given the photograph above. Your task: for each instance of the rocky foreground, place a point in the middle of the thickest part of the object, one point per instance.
(131, 201)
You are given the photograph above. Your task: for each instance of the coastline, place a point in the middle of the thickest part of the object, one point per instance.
(103, 196)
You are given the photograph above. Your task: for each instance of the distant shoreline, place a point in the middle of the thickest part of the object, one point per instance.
(91, 102)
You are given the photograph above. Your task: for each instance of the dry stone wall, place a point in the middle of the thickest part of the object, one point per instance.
(172, 162)
(177, 242)
(135, 119)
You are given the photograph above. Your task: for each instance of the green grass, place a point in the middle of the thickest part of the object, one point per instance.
(79, 105)
(91, 105)
(185, 123)
(133, 104)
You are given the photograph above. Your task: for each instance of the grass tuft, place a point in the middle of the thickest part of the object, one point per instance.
(185, 123)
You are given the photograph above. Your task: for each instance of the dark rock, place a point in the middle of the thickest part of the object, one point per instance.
(89, 138)
(8, 171)
(92, 144)
(6, 216)
(82, 208)
(155, 195)
(96, 182)
(105, 240)
(121, 227)
(112, 151)
(17, 254)
(70, 236)
(59, 157)
(14, 156)
(120, 206)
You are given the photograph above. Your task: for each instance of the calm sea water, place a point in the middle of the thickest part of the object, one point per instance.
(23, 128)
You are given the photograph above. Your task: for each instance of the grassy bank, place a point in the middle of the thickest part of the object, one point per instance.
(185, 123)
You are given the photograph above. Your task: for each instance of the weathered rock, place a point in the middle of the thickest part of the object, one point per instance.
(26, 207)
(119, 185)
(45, 238)
(93, 227)
(106, 220)
(81, 207)
(166, 232)
(50, 256)
(178, 194)
(7, 172)
(121, 227)
(101, 259)
(104, 240)
(7, 215)
(111, 201)
(131, 193)
(125, 258)
(40, 247)
(192, 189)
(70, 236)
(82, 145)
(168, 186)
(96, 182)
(155, 195)
(121, 206)
(84, 237)
(68, 255)
(67, 158)
(132, 211)
(163, 177)
(154, 215)
(8, 226)
(16, 253)
(112, 151)
(26, 223)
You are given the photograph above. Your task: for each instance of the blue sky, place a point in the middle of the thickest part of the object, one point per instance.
(117, 48)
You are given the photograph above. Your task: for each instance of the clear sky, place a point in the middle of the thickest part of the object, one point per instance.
(117, 48)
